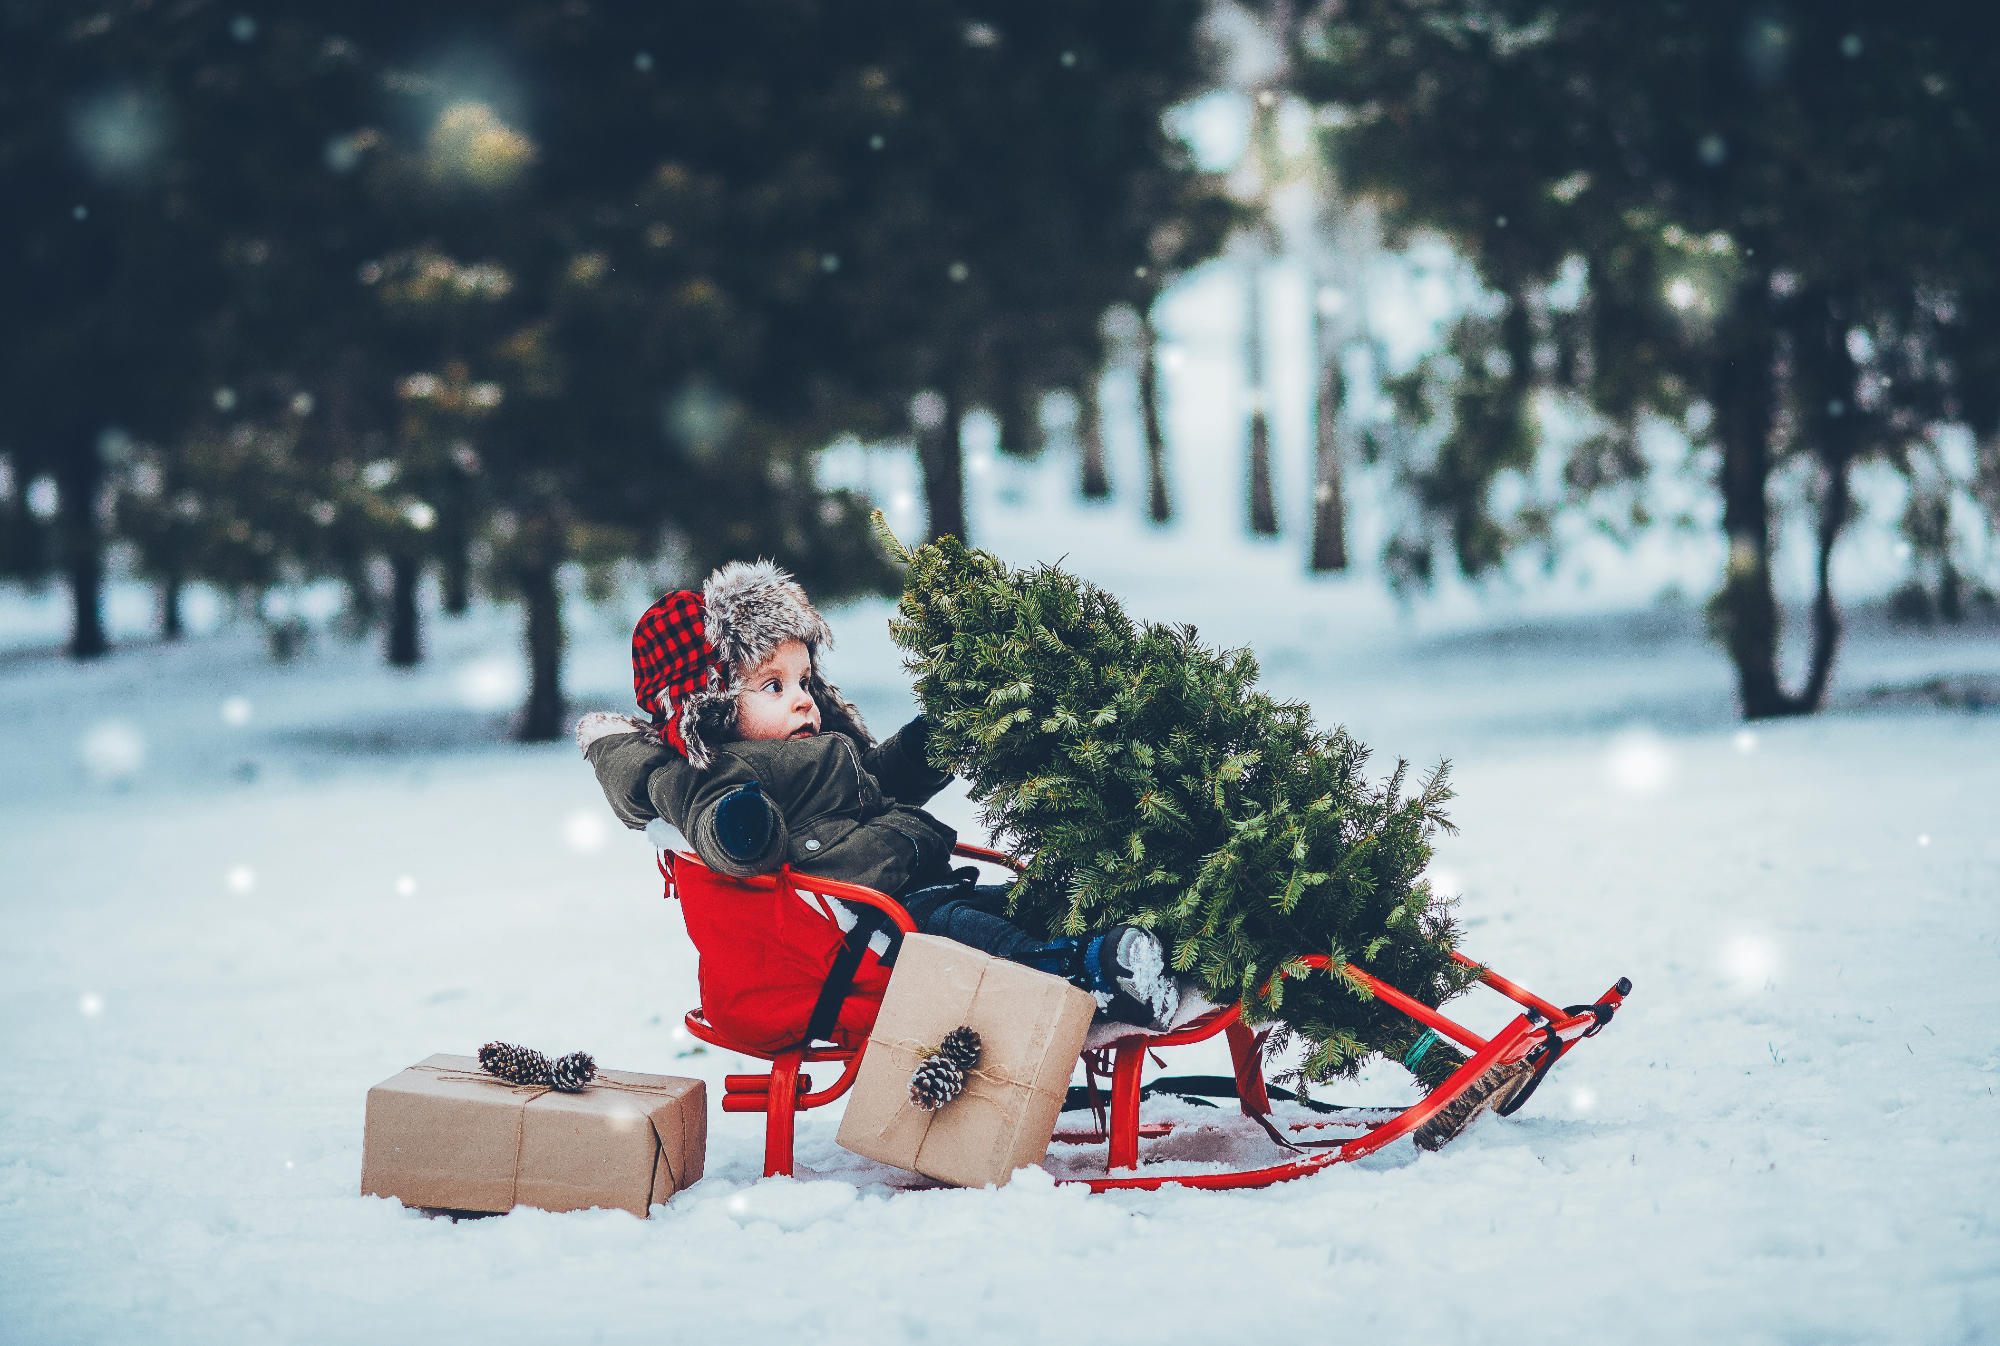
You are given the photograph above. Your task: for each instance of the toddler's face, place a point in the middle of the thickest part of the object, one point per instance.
(775, 701)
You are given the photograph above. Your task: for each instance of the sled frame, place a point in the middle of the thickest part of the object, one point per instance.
(1541, 1034)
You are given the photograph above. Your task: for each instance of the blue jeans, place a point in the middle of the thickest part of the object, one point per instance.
(970, 914)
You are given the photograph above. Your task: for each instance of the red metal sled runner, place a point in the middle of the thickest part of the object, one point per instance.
(1540, 1036)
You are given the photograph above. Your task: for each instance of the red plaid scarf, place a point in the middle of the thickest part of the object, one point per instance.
(671, 659)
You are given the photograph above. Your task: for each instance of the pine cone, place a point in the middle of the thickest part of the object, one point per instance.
(573, 1073)
(935, 1083)
(961, 1048)
(516, 1065)
(941, 1076)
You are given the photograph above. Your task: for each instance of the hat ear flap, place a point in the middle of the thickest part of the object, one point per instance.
(837, 714)
(708, 720)
(683, 733)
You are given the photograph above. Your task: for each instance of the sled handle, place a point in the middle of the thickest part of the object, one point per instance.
(1389, 995)
(850, 892)
(989, 855)
(1519, 995)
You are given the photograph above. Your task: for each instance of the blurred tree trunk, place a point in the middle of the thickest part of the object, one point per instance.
(404, 649)
(1090, 440)
(362, 606)
(1827, 380)
(1745, 611)
(78, 479)
(1159, 505)
(1263, 505)
(943, 464)
(455, 570)
(542, 717)
(1746, 391)
(1329, 526)
(454, 537)
(1020, 416)
(171, 585)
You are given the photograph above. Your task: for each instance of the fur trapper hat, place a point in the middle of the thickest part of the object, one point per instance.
(689, 647)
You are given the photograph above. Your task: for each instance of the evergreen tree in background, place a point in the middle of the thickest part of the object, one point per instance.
(1017, 185)
(507, 287)
(112, 236)
(1146, 780)
(1768, 227)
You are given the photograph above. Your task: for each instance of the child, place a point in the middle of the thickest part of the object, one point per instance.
(760, 762)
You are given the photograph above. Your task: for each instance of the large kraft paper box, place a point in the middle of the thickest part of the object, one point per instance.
(445, 1134)
(1031, 1026)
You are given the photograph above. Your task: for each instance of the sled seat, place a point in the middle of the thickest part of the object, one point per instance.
(1539, 1035)
(784, 1091)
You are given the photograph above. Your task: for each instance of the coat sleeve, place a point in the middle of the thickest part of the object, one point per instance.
(643, 779)
(625, 764)
(687, 798)
(898, 763)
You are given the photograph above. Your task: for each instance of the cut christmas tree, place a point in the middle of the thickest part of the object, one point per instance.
(1143, 778)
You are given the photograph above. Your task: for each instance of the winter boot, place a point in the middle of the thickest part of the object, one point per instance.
(1124, 967)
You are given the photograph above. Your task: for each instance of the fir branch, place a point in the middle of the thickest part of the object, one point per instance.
(1146, 779)
(887, 536)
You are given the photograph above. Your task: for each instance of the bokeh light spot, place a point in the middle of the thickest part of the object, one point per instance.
(1751, 961)
(113, 752)
(406, 885)
(1746, 741)
(236, 711)
(472, 142)
(241, 879)
(90, 1005)
(1639, 762)
(491, 684)
(584, 831)
(120, 134)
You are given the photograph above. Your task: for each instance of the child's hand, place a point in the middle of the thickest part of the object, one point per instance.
(743, 822)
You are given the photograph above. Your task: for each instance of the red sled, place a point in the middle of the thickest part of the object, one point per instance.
(766, 944)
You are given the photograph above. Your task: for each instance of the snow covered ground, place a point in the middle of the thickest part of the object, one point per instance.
(236, 895)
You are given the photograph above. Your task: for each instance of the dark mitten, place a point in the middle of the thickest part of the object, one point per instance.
(743, 822)
(916, 740)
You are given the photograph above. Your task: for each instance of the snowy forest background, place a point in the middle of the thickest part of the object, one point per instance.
(312, 307)
(1606, 401)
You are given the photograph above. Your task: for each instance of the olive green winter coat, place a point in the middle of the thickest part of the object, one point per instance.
(840, 812)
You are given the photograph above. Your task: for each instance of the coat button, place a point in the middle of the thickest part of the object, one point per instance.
(812, 845)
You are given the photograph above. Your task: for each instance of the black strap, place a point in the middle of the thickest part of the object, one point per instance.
(840, 977)
(1551, 1051)
(1198, 1089)
(1544, 1058)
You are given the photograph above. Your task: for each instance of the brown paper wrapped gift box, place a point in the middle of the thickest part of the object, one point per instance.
(444, 1134)
(1031, 1027)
